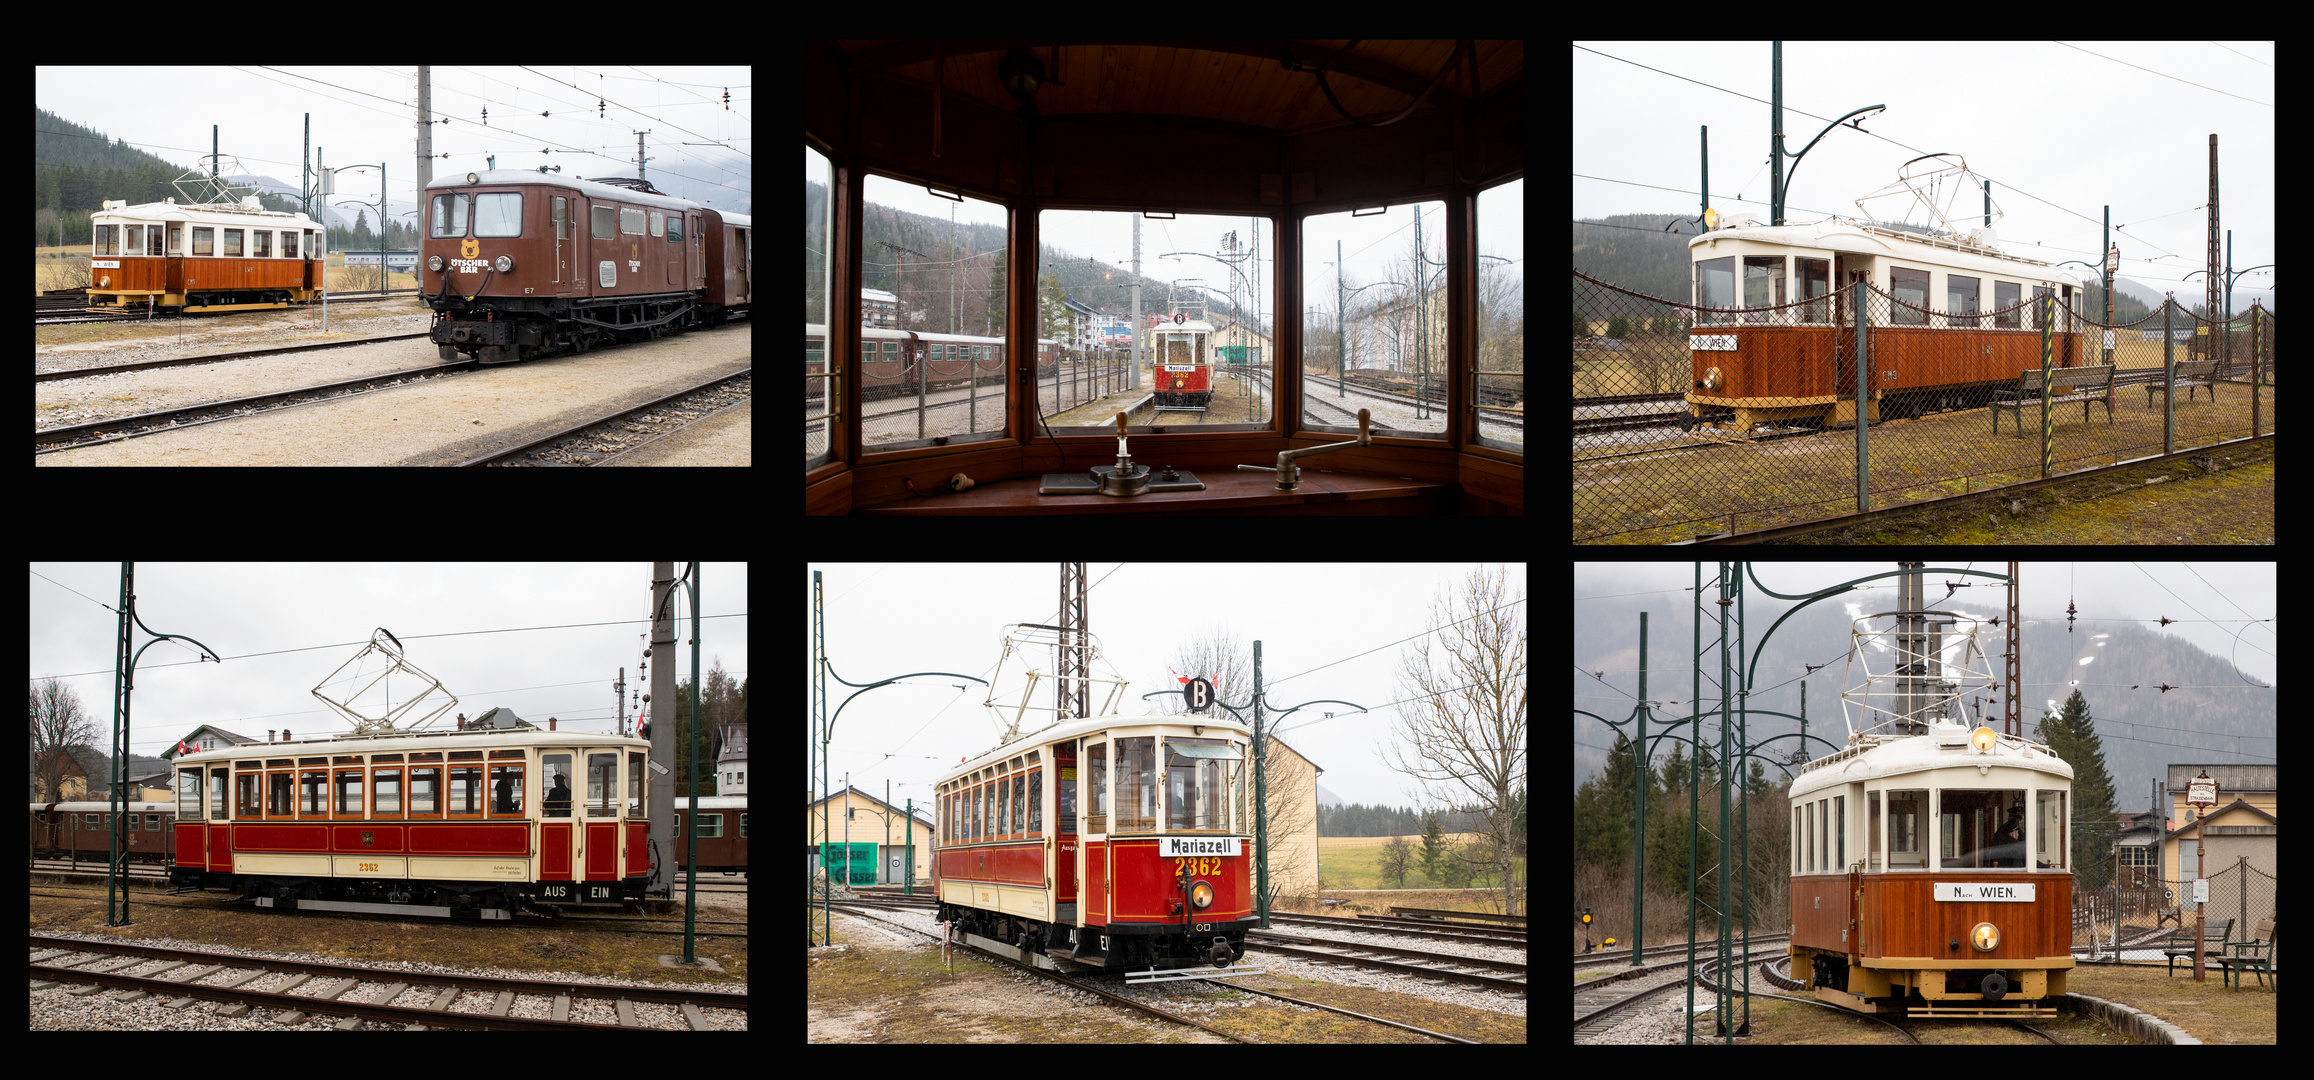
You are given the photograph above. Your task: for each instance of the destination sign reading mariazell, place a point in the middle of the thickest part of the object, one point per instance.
(2017, 892)
(1195, 846)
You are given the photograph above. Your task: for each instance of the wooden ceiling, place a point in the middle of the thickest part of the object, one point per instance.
(1272, 85)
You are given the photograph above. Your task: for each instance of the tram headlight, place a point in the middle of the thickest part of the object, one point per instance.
(1986, 937)
(505, 263)
(1982, 740)
(434, 263)
(1201, 894)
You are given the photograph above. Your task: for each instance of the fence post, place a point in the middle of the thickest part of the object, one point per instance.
(1863, 378)
(2048, 433)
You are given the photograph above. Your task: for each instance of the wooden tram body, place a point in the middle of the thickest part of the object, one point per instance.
(1110, 842)
(202, 257)
(1910, 892)
(461, 823)
(1793, 359)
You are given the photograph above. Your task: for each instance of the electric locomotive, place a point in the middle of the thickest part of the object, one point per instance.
(1115, 842)
(519, 264)
(1931, 871)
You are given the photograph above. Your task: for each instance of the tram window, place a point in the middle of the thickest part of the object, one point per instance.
(217, 794)
(1036, 794)
(1196, 787)
(1872, 800)
(1981, 828)
(1808, 849)
(1905, 811)
(506, 789)
(1960, 299)
(709, 826)
(1019, 805)
(554, 781)
(1216, 355)
(204, 242)
(636, 799)
(1097, 800)
(349, 793)
(2034, 321)
(2005, 296)
(449, 216)
(465, 789)
(1815, 281)
(1137, 784)
(1910, 287)
(245, 794)
(311, 784)
(1763, 282)
(425, 785)
(2049, 843)
(940, 393)
(278, 795)
(1390, 325)
(1793, 845)
(386, 796)
(821, 396)
(1840, 832)
(1715, 288)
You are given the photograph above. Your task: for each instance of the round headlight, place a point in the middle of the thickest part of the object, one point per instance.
(1986, 937)
(1983, 740)
(1201, 894)
(505, 263)
(434, 263)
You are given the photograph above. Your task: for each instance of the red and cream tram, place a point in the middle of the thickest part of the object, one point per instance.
(1116, 842)
(1182, 372)
(460, 823)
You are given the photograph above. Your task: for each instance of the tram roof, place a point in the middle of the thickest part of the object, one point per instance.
(1879, 758)
(1848, 237)
(349, 743)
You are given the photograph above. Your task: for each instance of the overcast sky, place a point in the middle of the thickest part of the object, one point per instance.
(541, 639)
(1328, 630)
(583, 119)
(2062, 130)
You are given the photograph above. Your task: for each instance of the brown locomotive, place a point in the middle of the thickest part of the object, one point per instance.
(518, 264)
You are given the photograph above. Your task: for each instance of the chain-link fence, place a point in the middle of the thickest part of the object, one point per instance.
(1693, 420)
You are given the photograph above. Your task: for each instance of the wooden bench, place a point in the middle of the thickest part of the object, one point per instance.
(2190, 374)
(2083, 384)
(2180, 944)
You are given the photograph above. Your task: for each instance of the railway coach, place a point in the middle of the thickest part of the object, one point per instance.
(467, 823)
(1115, 842)
(1931, 873)
(518, 264)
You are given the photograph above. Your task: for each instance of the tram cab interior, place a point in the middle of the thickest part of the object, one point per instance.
(1273, 136)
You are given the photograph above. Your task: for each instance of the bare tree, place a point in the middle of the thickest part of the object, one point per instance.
(59, 723)
(1463, 727)
(1220, 657)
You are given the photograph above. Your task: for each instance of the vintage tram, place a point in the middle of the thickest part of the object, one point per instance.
(468, 823)
(1931, 871)
(202, 256)
(1181, 372)
(1952, 318)
(1116, 842)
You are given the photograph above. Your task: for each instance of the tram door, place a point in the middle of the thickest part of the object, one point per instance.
(578, 830)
